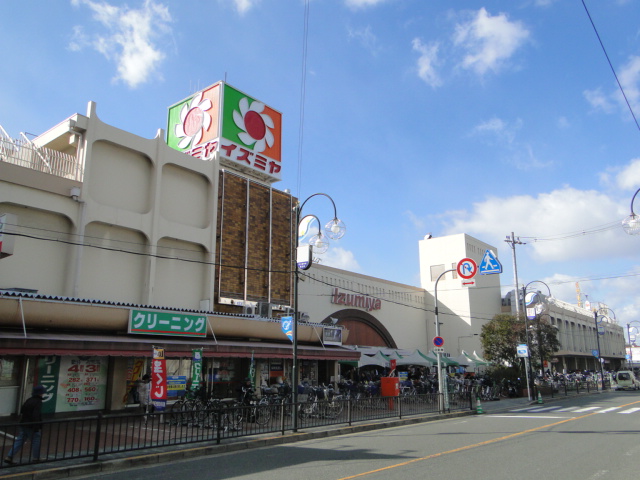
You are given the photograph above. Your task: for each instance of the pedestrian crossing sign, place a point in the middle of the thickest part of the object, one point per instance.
(490, 264)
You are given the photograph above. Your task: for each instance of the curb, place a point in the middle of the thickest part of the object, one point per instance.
(177, 453)
(163, 455)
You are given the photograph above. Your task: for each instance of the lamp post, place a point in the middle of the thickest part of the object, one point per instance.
(443, 398)
(629, 327)
(334, 229)
(536, 308)
(602, 313)
(631, 224)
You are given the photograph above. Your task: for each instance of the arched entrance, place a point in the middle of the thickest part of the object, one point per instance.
(364, 328)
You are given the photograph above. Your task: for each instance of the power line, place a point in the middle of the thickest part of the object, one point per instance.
(575, 234)
(611, 66)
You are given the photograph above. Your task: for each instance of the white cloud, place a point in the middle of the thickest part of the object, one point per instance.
(489, 41)
(418, 223)
(129, 39)
(362, 3)
(338, 257)
(549, 216)
(629, 177)
(629, 77)
(366, 38)
(243, 6)
(504, 136)
(427, 62)
(598, 100)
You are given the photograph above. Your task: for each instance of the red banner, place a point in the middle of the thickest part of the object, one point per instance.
(159, 379)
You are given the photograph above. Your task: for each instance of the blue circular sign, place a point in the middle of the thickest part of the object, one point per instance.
(438, 341)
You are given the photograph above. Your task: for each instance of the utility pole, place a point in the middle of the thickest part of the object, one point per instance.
(513, 241)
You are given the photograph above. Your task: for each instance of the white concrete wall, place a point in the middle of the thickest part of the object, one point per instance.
(462, 310)
(406, 311)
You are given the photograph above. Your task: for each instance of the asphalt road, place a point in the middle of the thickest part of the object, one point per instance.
(593, 437)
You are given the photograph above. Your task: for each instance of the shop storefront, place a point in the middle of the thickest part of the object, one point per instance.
(100, 370)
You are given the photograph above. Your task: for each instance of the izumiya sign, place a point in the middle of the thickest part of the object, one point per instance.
(221, 121)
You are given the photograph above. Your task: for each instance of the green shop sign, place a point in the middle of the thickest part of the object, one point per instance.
(167, 323)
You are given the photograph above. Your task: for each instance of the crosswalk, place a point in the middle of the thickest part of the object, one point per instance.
(561, 409)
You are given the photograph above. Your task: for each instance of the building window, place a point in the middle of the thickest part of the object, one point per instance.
(436, 271)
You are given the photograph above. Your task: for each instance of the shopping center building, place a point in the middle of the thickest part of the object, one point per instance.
(112, 244)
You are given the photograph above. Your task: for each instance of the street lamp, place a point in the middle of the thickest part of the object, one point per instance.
(535, 305)
(602, 313)
(631, 224)
(629, 327)
(334, 230)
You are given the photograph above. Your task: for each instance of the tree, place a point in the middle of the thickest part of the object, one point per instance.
(501, 336)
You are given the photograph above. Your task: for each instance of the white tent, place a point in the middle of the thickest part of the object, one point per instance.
(479, 359)
(416, 358)
(467, 360)
(379, 359)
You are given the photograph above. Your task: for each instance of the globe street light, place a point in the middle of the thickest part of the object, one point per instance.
(631, 224)
(601, 313)
(535, 305)
(629, 327)
(334, 230)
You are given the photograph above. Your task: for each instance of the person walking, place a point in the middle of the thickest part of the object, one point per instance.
(144, 394)
(30, 426)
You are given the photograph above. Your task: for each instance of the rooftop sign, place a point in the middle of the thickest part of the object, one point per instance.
(219, 120)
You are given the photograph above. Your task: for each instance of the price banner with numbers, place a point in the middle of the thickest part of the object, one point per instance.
(77, 383)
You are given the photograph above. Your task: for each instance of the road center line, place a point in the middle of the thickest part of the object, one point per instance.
(476, 445)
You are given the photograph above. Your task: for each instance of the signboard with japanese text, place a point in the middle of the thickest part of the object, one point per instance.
(196, 368)
(220, 120)
(159, 379)
(152, 322)
(73, 383)
(176, 386)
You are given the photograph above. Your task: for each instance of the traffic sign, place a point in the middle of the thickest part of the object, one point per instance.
(438, 349)
(522, 350)
(467, 268)
(438, 341)
(490, 264)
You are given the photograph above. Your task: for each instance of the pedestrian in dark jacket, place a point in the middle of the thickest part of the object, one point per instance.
(30, 426)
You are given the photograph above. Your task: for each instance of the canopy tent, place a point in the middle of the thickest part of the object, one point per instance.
(379, 359)
(467, 360)
(449, 362)
(416, 358)
(479, 359)
(394, 355)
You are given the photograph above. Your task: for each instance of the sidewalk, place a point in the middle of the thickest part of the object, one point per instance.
(73, 468)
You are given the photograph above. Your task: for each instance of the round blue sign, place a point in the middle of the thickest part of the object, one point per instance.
(438, 341)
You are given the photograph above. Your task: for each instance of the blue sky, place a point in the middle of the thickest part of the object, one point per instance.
(418, 116)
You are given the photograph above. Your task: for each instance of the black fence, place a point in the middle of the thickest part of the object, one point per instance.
(101, 435)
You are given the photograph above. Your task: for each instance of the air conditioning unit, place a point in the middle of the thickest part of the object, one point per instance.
(264, 309)
(249, 310)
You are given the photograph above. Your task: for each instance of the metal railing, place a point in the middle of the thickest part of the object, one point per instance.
(25, 153)
(107, 434)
